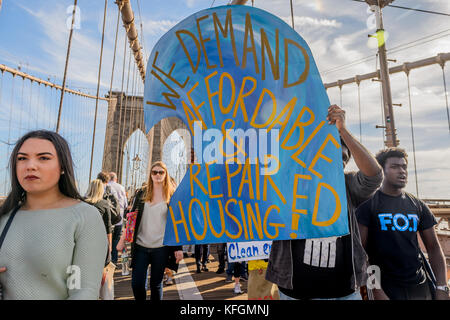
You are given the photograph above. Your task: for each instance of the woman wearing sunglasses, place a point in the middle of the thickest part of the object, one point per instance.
(147, 248)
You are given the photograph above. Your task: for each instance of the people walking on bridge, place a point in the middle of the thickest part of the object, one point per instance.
(236, 269)
(147, 247)
(55, 246)
(296, 267)
(221, 249)
(119, 192)
(389, 223)
(201, 257)
(94, 196)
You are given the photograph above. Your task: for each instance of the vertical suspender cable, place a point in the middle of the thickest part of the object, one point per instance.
(381, 102)
(292, 15)
(65, 68)
(29, 104)
(412, 134)
(359, 109)
(446, 96)
(125, 112)
(119, 140)
(21, 108)
(112, 73)
(129, 126)
(98, 89)
(39, 104)
(11, 103)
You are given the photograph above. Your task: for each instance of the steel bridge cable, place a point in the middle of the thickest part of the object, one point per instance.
(112, 73)
(412, 133)
(292, 15)
(98, 90)
(10, 118)
(125, 113)
(382, 107)
(29, 105)
(21, 108)
(66, 65)
(119, 141)
(133, 81)
(359, 109)
(39, 104)
(412, 9)
(142, 29)
(391, 50)
(133, 136)
(446, 96)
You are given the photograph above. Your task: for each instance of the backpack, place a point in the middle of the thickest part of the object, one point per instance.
(114, 204)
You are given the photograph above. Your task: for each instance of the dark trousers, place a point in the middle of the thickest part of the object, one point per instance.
(221, 251)
(143, 257)
(236, 268)
(117, 232)
(201, 250)
(412, 292)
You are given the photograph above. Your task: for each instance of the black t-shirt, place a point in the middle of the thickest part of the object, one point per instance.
(322, 268)
(392, 243)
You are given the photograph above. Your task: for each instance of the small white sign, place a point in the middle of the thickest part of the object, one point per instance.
(245, 251)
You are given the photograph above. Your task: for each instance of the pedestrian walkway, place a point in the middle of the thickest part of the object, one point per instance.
(188, 284)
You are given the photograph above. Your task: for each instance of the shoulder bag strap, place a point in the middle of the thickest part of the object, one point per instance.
(8, 224)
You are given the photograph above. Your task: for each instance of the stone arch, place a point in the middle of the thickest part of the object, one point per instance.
(125, 116)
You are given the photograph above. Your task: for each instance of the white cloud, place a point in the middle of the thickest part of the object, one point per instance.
(158, 27)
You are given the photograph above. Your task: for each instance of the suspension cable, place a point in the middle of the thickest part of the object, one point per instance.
(112, 74)
(412, 133)
(446, 96)
(125, 112)
(119, 141)
(292, 15)
(65, 67)
(359, 109)
(98, 90)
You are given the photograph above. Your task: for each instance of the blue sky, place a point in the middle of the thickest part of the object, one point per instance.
(33, 35)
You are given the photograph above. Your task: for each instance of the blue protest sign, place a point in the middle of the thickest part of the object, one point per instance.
(268, 165)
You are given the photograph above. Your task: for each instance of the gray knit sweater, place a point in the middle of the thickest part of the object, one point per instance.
(41, 247)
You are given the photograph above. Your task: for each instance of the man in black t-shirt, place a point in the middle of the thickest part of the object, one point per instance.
(334, 267)
(388, 224)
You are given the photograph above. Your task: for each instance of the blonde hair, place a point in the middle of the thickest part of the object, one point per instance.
(168, 188)
(95, 191)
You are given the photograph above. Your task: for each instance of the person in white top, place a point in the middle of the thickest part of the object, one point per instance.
(147, 248)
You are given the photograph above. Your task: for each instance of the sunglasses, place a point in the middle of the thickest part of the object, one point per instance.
(155, 172)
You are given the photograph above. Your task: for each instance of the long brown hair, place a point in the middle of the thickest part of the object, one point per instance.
(168, 189)
(67, 185)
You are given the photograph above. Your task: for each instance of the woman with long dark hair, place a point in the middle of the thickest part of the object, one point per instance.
(56, 245)
(147, 247)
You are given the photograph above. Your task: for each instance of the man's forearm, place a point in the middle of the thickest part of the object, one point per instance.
(366, 163)
(437, 262)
